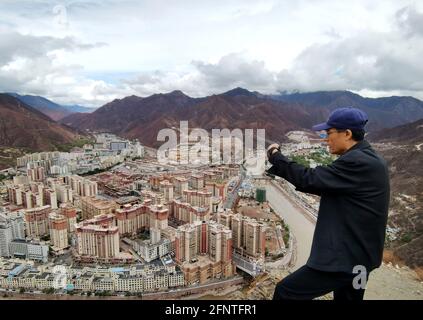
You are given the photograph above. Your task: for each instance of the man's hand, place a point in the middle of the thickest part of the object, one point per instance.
(272, 149)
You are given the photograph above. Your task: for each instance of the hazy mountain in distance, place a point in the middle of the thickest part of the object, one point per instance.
(74, 108)
(383, 112)
(54, 110)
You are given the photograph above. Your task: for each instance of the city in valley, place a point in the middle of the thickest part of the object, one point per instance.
(107, 219)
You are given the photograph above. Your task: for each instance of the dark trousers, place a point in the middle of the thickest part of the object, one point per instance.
(307, 283)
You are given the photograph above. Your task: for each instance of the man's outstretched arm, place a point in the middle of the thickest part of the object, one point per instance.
(340, 176)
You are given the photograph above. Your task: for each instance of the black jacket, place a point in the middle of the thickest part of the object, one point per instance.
(353, 212)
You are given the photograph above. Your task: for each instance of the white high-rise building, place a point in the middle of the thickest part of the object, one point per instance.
(64, 193)
(17, 219)
(12, 226)
(82, 186)
(5, 235)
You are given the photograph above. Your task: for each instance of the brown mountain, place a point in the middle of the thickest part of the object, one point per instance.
(22, 126)
(385, 112)
(410, 133)
(402, 147)
(142, 118)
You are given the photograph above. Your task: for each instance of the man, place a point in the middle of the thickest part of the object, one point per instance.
(350, 229)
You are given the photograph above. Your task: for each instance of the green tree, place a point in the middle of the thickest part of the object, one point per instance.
(406, 238)
(286, 239)
(66, 147)
(300, 160)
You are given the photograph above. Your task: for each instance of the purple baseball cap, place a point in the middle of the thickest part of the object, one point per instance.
(344, 118)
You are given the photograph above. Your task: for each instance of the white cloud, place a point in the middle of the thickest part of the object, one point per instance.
(54, 48)
(410, 21)
(234, 70)
(28, 64)
(374, 61)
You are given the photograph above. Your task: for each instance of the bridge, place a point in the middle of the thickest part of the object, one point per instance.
(252, 267)
(260, 180)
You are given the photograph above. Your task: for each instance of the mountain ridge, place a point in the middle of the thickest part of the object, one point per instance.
(143, 117)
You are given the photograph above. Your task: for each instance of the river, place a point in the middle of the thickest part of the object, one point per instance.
(301, 226)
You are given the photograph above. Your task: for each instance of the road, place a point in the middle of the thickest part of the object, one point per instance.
(232, 196)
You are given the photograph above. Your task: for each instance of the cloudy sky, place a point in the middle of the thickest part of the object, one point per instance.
(91, 52)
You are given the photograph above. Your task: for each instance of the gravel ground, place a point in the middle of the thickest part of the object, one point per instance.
(394, 283)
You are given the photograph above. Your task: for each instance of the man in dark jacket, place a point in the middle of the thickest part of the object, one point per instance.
(350, 229)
